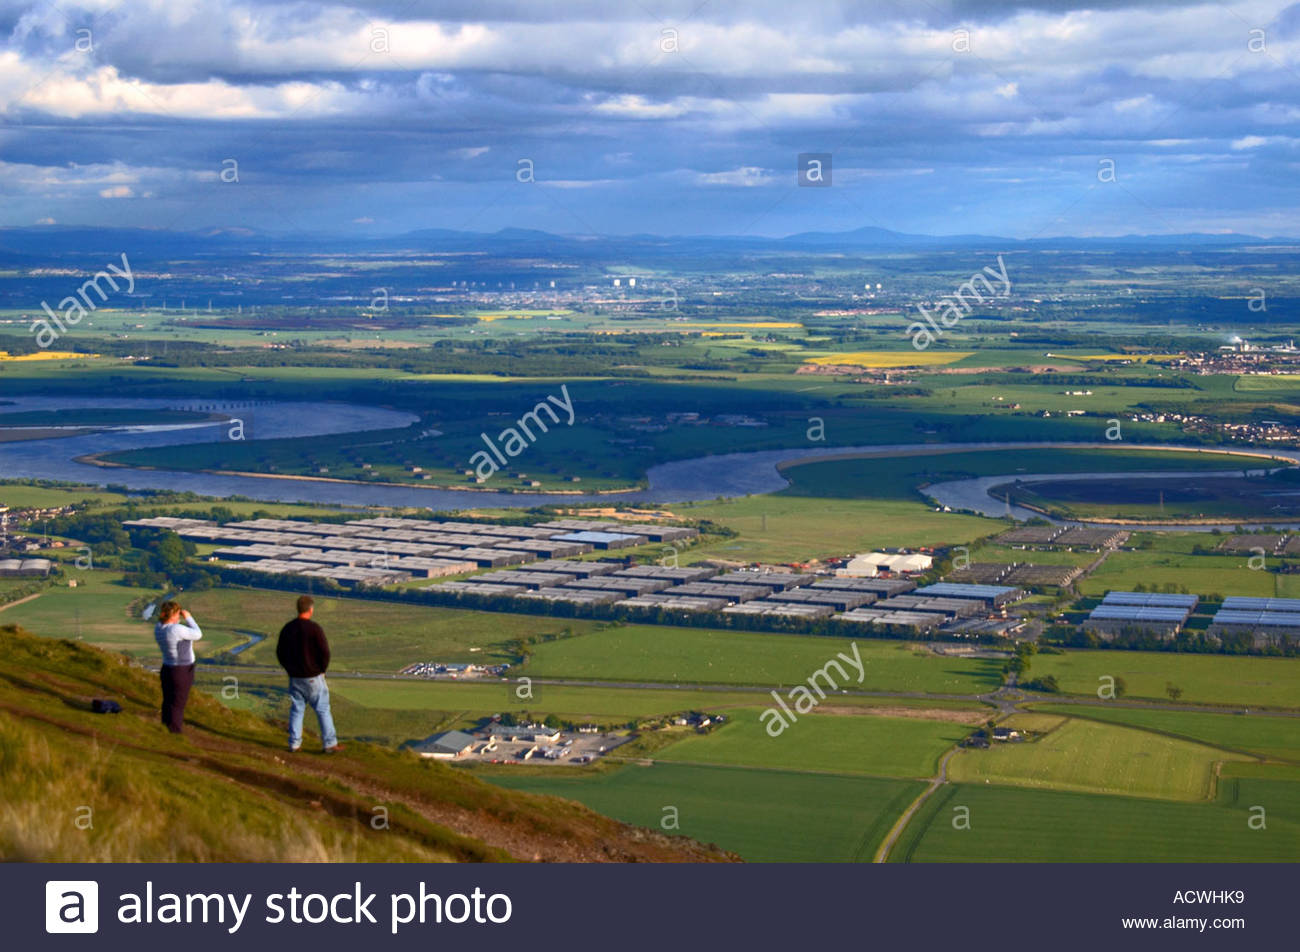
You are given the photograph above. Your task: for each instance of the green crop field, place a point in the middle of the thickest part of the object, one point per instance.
(1090, 756)
(1009, 824)
(645, 653)
(764, 815)
(1205, 679)
(1276, 737)
(846, 744)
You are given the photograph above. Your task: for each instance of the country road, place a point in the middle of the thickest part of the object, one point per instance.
(937, 781)
(20, 601)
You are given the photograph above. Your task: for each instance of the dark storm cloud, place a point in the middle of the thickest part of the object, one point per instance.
(669, 116)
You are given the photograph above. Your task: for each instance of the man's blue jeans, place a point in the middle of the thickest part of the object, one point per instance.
(313, 691)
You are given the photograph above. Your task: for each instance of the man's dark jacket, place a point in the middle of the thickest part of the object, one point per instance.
(302, 649)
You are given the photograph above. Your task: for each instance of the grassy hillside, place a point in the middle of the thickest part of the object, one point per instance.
(86, 787)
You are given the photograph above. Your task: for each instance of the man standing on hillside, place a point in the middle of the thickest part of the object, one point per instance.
(304, 654)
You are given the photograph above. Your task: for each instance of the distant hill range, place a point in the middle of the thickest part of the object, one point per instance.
(86, 787)
(53, 241)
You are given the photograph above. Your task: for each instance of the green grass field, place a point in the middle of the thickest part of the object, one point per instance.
(846, 744)
(96, 611)
(1010, 824)
(376, 636)
(1198, 574)
(365, 635)
(897, 477)
(606, 705)
(1276, 737)
(652, 653)
(1085, 755)
(1205, 679)
(785, 528)
(766, 816)
(19, 496)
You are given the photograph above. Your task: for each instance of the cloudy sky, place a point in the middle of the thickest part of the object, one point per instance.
(659, 116)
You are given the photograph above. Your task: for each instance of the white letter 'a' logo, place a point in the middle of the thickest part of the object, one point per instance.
(71, 906)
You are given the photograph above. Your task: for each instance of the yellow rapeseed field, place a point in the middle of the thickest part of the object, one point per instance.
(44, 355)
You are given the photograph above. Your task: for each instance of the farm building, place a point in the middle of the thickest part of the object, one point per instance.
(16, 568)
(445, 746)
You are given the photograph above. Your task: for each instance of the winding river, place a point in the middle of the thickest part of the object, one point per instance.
(703, 478)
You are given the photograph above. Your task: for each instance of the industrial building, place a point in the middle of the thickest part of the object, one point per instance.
(616, 583)
(947, 607)
(575, 596)
(908, 620)
(524, 578)
(840, 601)
(431, 568)
(1152, 600)
(574, 569)
(880, 587)
(871, 564)
(602, 540)
(776, 581)
(732, 593)
(650, 533)
(471, 587)
(992, 596)
(1270, 622)
(672, 574)
(664, 601)
(766, 609)
(358, 575)
(1140, 613)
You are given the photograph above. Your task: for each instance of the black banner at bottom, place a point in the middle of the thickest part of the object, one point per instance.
(346, 906)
